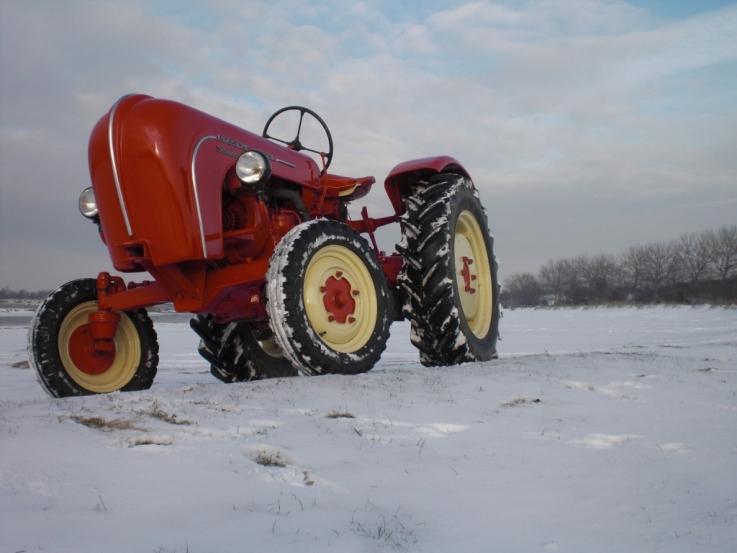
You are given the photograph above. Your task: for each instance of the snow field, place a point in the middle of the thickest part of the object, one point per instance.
(597, 430)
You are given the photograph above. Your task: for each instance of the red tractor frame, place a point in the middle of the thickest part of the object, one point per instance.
(251, 234)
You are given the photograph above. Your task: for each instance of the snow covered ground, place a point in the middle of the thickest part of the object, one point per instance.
(599, 430)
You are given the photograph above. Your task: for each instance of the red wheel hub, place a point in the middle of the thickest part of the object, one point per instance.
(83, 354)
(338, 298)
(466, 274)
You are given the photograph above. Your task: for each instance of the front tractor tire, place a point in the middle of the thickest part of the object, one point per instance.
(239, 351)
(327, 299)
(60, 346)
(449, 275)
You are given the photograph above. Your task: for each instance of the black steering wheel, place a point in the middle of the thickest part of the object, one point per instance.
(295, 144)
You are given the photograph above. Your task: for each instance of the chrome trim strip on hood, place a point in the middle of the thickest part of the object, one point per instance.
(111, 122)
(195, 190)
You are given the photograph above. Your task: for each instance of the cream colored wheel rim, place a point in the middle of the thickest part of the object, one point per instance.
(271, 348)
(127, 352)
(352, 335)
(473, 274)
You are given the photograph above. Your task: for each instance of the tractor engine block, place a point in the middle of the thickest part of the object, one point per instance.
(245, 227)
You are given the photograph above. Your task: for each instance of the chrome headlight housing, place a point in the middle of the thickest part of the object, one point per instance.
(87, 203)
(252, 167)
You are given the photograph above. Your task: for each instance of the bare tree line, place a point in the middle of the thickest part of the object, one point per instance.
(10, 294)
(697, 267)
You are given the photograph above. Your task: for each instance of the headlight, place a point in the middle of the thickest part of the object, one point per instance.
(252, 167)
(87, 203)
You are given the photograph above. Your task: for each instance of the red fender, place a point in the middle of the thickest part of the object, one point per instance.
(407, 172)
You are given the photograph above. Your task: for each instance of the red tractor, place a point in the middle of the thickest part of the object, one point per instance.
(252, 235)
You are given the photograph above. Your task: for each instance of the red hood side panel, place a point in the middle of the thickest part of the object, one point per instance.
(170, 161)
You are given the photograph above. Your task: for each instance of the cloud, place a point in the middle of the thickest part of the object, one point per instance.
(585, 111)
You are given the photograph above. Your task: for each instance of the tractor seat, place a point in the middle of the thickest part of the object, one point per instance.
(347, 188)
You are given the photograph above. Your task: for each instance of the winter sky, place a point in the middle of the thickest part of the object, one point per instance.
(588, 125)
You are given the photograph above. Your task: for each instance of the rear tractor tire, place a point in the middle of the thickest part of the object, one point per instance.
(60, 346)
(239, 351)
(327, 299)
(449, 275)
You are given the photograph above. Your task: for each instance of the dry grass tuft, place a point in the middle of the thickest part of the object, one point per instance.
(268, 456)
(149, 440)
(106, 425)
(270, 459)
(340, 415)
(157, 412)
(519, 400)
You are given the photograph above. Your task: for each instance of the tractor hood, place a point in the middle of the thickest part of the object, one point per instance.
(157, 169)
